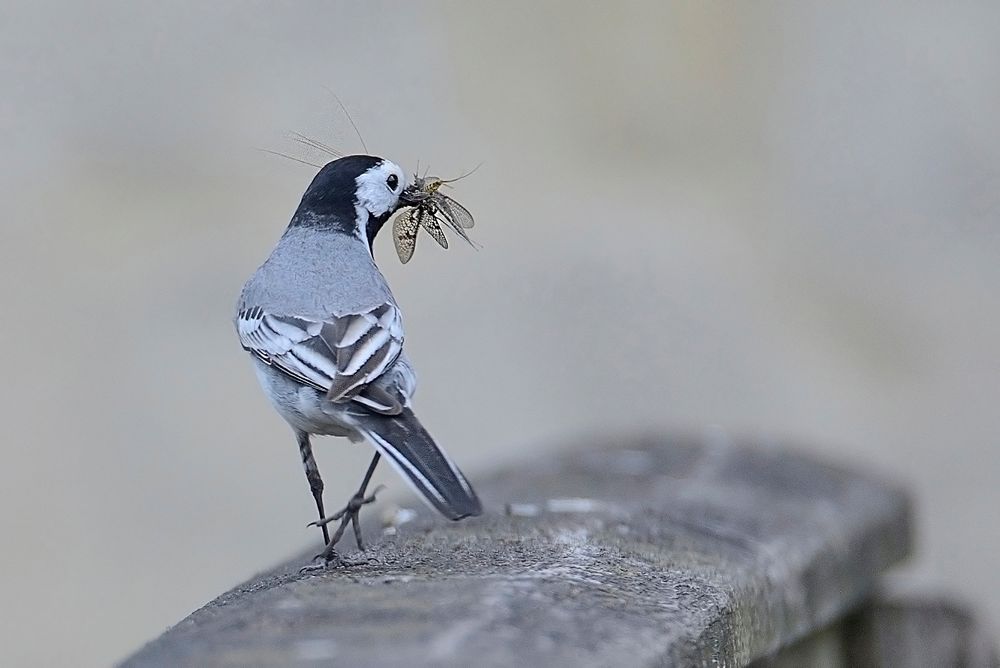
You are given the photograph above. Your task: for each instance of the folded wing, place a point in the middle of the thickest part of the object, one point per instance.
(339, 355)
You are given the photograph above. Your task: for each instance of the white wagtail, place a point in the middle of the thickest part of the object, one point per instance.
(326, 339)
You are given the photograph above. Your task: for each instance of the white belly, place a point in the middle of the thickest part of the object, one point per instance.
(301, 406)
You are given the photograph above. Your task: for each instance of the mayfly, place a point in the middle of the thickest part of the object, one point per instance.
(429, 208)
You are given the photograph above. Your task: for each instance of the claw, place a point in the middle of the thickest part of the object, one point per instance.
(326, 520)
(347, 515)
(318, 564)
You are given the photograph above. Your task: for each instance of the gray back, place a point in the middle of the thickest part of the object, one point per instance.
(316, 273)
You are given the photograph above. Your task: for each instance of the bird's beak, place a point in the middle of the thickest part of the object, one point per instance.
(411, 195)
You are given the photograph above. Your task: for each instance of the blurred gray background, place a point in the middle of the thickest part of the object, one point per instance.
(781, 218)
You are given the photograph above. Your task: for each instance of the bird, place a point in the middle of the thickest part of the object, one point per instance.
(325, 336)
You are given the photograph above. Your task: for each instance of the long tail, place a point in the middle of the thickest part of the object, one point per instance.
(414, 454)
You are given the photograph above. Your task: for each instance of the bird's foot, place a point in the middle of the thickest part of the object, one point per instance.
(319, 564)
(347, 515)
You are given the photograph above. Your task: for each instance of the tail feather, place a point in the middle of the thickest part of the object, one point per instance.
(413, 453)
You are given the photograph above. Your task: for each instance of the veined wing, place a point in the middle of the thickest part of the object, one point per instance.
(427, 221)
(458, 214)
(404, 234)
(453, 214)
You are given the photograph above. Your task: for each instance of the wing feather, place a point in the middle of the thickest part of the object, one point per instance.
(338, 355)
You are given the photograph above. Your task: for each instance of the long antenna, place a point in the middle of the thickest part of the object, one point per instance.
(353, 124)
(316, 144)
(459, 178)
(289, 157)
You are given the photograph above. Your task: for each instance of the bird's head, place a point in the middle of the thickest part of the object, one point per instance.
(355, 194)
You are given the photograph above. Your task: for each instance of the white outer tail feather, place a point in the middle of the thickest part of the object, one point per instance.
(407, 471)
(412, 474)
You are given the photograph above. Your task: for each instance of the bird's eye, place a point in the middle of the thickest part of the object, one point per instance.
(392, 181)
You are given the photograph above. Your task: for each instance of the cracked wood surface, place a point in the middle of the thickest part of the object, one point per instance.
(641, 552)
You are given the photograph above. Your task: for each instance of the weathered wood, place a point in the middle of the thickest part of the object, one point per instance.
(685, 552)
(895, 631)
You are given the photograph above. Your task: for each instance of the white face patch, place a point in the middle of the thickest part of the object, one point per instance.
(379, 188)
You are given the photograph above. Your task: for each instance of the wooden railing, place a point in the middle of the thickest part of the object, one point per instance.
(651, 552)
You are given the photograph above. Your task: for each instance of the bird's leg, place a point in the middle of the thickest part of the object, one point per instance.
(312, 475)
(349, 513)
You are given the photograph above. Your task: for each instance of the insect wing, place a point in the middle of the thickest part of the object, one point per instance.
(458, 214)
(427, 220)
(443, 213)
(404, 234)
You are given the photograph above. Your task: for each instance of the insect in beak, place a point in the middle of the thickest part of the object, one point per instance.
(425, 206)
(413, 194)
